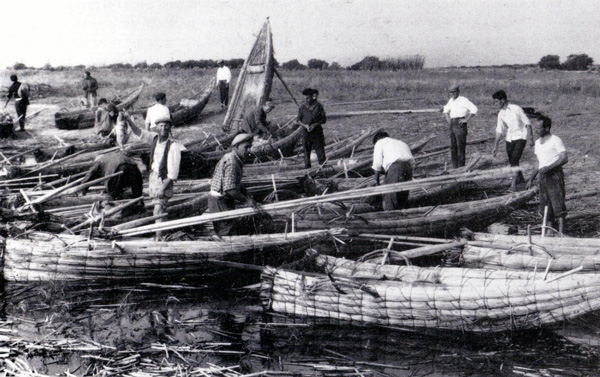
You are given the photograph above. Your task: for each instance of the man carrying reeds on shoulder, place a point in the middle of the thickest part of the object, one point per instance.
(551, 156)
(165, 157)
(311, 116)
(393, 158)
(458, 112)
(226, 184)
(512, 120)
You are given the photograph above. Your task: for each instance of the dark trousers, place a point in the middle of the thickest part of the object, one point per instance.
(221, 204)
(224, 91)
(131, 178)
(314, 140)
(552, 193)
(399, 171)
(21, 107)
(458, 142)
(514, 150)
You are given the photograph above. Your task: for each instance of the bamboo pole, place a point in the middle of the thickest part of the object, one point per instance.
(430, 249)
(51, 195)
(108, 213)
(346, 195)
(56, 162)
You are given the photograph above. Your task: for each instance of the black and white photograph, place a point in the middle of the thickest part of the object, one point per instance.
(308, 188)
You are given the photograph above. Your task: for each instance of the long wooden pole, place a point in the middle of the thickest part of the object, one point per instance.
(345, 195)
(286, 87)
(377, 112)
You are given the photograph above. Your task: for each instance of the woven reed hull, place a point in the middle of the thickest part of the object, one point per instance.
(480, 257)
(561, 244)
(190, 114)
(50, 257)
(254, 81)
(76, 120)
(516, 304)
(443, 220)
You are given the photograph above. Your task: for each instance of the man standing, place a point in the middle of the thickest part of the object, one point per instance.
(551, 156)
(131, 177)
(157, 111)
(90, 87)
(458, 111)
(311, 116)
(226, 183)
(223, 79)
(165, 157)
(21, 94)
(394, 158)
(513, 121)
(255, 120)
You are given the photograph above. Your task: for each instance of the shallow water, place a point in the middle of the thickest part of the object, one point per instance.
(92, 330)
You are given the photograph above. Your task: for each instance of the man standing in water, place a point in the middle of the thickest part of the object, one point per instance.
(551, 156)
(165, 157)
(512, 119)
(458, 111)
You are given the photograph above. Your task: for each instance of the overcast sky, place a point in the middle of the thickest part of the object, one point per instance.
(446, 32)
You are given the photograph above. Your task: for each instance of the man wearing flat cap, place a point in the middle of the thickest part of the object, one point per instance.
(157, 111)
(458, 111)
(311, 116)
(226, 184)
(223, 79)
(165, 157)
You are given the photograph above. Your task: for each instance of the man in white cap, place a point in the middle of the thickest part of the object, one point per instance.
(165, 157)
(458, 111)
(223, 79)
(157, 111)
(226, 183)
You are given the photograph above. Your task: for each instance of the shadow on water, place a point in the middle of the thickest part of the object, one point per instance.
(93, 330)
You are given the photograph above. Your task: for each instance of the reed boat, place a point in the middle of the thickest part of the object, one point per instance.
(442, 220)
(440, 298)
(55, 257)
(80, 119)
(254, 81)
(187, 114)
(533, 252)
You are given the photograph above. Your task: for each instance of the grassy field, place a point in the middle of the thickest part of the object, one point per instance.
(571, 99)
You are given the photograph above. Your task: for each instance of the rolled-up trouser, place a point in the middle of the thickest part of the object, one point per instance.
(21, 108)
(154, 183)
(458, 142)
(552, 193)
(220, 204)
(399, 171)
(514, 151)
(314, 140)
(224, 92)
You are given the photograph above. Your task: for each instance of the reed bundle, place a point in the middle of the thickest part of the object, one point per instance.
(50, 257)
(291, 205)
(482, 305)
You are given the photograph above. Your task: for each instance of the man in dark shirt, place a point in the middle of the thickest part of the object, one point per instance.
(311, 116)
(21, 95)
(90, 86)
(255, 121)
(115, 162)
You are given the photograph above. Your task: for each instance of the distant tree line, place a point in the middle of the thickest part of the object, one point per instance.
(177, 64)
(580, 62)
(369, 63)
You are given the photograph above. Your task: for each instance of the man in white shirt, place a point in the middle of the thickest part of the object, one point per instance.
(165, 157)
(157, 111)
(223, 79)
(458, 111)
(513, 121)
(394, 158)
(551, 156)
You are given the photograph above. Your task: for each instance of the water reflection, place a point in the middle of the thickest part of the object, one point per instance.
(93, 329)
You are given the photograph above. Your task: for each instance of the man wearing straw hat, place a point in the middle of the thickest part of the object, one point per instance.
(551, 156)
(394, 158)
(458, 111)
(223, 79)
(165, 157)
(157, 111)
(226, 184)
